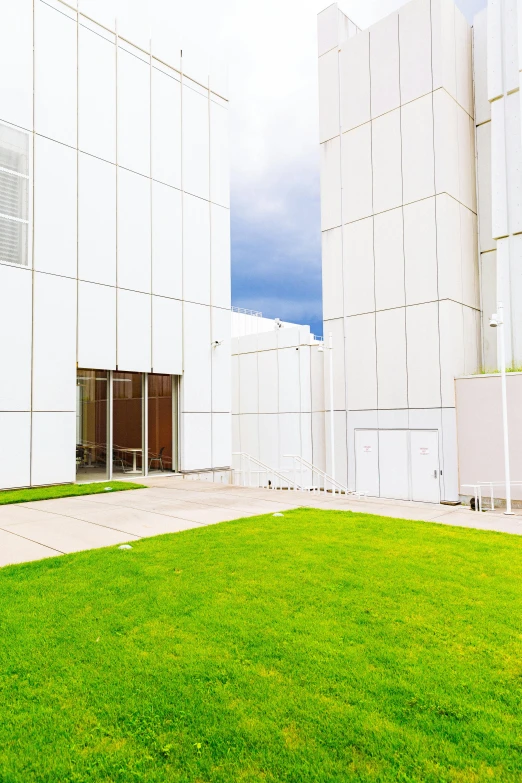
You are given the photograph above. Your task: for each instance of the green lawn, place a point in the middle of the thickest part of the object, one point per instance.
(321, 646)
(64, 491)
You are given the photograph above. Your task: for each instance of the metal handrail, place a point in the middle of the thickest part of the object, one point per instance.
(480, 485)
(260, 468)
(327, 480)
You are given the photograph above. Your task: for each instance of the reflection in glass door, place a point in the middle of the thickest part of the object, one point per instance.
(91, 425)
(159, 425)
(127, 418)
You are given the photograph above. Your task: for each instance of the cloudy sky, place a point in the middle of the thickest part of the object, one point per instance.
(276, 256)
(270, 47)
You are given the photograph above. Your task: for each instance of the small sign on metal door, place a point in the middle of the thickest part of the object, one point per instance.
(424, 451)
(367, 449)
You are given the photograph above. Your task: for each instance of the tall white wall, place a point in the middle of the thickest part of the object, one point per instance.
(400, 270)
(129, 231)
(278, 397)
(498, 63)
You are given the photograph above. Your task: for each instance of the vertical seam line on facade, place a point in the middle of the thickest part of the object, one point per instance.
(151, 215)
(77, 189)
(374, 288)
(403, 233)
(31, 418)
(181, 385)
(441, 455)
(478, 252)
(343, 336)
(117, 291)
(211, 312)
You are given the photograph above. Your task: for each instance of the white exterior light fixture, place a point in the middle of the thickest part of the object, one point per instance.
(497, 320)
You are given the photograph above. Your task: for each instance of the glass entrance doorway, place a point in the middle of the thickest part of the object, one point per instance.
(92, 388)
(127, 423)
(159, 428)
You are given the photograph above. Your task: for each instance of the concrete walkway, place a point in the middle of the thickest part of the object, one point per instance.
(32, 531)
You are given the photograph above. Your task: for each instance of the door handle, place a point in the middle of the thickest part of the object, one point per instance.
(435, 474)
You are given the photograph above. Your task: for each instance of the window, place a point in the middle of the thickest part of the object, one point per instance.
(160, 422)
(14, 195)
(91, 424)
(127, 422)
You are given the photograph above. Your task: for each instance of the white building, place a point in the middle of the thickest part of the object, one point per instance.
(411, 274)
(277, 394)
(401, 287)
(114, 250)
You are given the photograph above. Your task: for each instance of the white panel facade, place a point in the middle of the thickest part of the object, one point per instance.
(103, 207)
(219, 155)
(278, 408)
(133, 113)
(55, 208)
(55, 68)
(96, 326)
(53, 439)
(387, 164)
(384, 65)
(221, 439)
(446, 135)
(417, 150)
(167, 241)
(410, 256)
(134, 231)
(195, 145)
(356, 149)
(361, 362)
(16, 64)
(392, 380)
(221, 365)
(196, 441)
(15, 347)
(332, 272)
(358, 268)
(15, 454)
(96, 220)
(248, 383)
(54, 343)
(329, 96)
(415, 50)
(355, 93)
(196, 250)
(197, 372)
(166, 128)
(389, 259)
(220, 256)
(331, 184)
(420, 251)
(133, 330)
(167, 328)
(96, 91)
(422, 324)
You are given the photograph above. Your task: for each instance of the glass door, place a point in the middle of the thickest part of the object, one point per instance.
(127, 423)
(160, 424)
(91, 425)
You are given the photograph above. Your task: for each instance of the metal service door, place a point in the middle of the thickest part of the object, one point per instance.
(394, 469)
(367, 462)
(425, 466)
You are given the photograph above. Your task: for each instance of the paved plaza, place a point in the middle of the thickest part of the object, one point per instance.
(32, 531)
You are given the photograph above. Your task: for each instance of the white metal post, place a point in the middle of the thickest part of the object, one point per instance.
(332, 444)
(502, 349)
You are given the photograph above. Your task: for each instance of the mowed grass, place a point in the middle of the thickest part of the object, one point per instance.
(321, 646)
(64, 491)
